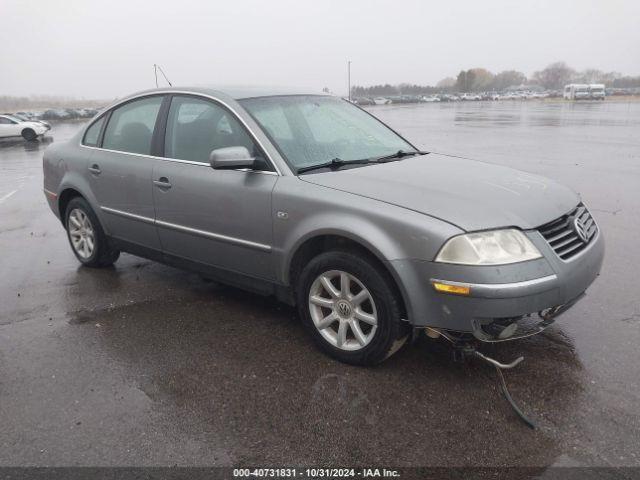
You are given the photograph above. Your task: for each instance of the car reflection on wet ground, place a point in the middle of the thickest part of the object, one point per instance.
(143, 364)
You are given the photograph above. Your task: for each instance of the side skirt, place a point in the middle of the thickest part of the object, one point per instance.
(228, 277)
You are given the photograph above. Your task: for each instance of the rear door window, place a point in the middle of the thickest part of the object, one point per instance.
(130, 128)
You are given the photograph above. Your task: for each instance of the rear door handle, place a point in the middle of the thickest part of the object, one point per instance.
(95, 169)
(163, 183)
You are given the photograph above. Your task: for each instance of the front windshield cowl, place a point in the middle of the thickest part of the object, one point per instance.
(309, 130)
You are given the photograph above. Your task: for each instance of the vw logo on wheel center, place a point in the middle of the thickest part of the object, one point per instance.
(344, 309)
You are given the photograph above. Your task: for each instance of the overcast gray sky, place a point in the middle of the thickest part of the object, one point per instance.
(107, 48)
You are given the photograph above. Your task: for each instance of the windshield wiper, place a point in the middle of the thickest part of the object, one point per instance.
(398, 155)
(335, 163)
(338, 162)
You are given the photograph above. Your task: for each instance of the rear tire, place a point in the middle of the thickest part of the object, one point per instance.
(88, 241)
(29, 134)
(351, 308)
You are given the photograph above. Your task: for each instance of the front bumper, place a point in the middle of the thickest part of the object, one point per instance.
(503, 292)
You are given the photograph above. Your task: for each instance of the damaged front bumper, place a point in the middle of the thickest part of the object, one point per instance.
(496, 303)
(502, 330)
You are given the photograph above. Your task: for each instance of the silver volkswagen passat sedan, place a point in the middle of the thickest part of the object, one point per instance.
(312, 199)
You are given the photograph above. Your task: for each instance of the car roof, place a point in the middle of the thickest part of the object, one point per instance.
(237, 92)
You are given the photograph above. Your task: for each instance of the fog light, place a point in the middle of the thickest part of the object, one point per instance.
(454, 289)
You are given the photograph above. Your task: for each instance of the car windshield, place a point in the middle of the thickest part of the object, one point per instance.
(312, 129)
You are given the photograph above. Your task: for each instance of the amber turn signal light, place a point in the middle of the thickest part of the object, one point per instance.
(453, 289)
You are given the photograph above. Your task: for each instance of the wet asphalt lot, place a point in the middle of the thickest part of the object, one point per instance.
(143, 364)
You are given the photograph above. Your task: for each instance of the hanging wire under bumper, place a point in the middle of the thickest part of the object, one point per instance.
(463, 344)
(462, 348)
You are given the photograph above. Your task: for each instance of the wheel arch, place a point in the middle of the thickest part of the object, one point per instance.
(322, 241)
(64, 198)
(70, 189)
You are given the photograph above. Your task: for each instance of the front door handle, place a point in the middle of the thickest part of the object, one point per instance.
(95, 169)
(163, 183)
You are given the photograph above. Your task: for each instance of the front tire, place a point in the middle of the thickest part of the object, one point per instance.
(29, 134)
(86, 236)
(350, 307)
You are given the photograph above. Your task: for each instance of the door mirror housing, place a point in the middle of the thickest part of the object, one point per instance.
(231, 158)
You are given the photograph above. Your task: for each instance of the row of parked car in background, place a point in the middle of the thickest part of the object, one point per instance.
(572, 91)
(455, 97)
(58, 114)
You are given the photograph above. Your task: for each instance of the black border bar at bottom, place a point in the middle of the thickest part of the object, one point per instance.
(312, 473)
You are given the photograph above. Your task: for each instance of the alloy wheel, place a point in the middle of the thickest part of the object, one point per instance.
(343, 310)
(81, 233)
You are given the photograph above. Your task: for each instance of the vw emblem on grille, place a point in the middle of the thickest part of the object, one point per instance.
(581, 229)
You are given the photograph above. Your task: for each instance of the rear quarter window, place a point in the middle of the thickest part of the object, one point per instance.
(93, 133)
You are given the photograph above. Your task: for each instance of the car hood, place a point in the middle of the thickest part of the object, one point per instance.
(470, 194)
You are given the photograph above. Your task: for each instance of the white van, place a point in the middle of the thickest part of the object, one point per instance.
(576, 91)
(596, 91)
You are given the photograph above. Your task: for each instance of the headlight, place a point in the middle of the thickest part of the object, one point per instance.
(496, 247)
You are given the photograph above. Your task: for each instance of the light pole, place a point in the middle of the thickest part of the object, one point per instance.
(349, 78)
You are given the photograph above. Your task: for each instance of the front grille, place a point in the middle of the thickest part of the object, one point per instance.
(571, 233)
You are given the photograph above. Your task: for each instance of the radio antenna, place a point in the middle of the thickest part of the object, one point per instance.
(157, 67)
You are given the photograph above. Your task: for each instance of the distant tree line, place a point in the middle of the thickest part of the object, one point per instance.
(482, 80)
(626, 82)
(554, 77)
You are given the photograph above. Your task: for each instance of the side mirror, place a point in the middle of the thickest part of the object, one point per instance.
(231, 158)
